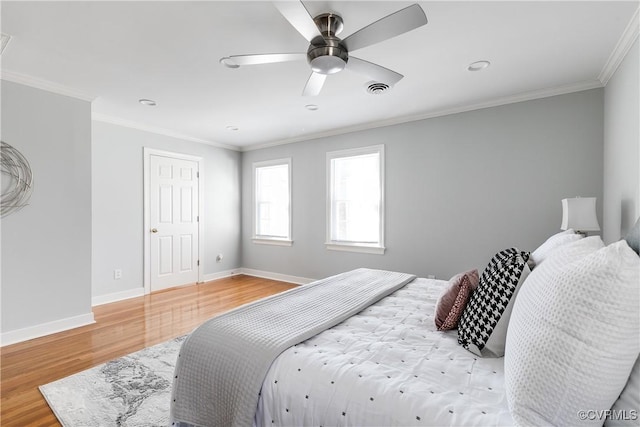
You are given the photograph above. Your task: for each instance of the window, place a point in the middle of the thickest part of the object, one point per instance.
(355, 202)
(272, 202)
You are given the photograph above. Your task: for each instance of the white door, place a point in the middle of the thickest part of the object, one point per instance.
(173, 221)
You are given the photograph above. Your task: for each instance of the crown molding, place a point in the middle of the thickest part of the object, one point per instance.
(45, 85)
(625, 43)
(157, 130)
(521, 97)
(629, 36)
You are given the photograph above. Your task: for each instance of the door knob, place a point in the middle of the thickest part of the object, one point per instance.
(154, 230)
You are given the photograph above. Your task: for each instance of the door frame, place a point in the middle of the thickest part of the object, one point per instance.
(146, 177)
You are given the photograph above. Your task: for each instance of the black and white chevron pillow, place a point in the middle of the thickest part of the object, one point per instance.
(483, 325)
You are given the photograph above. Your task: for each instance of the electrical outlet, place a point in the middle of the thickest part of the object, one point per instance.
(117, 274)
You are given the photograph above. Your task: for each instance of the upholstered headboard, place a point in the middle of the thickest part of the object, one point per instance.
(633, 237)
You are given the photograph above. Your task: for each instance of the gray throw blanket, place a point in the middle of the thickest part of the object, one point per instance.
(222, 364)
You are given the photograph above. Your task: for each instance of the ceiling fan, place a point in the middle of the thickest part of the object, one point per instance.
(328, 54)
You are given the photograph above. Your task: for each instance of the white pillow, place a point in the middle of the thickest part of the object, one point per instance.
(554, 242)
(574, 334)
(496, 342)
(626, 411)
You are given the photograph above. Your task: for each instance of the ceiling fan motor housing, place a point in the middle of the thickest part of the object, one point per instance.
(327, 54)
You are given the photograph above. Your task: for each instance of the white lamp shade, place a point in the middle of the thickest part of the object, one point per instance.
(579, 214)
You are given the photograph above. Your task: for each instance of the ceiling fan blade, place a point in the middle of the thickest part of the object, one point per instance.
(314, 84)
(299, 17)
(374, 71)
(390, 26)
(234, 61)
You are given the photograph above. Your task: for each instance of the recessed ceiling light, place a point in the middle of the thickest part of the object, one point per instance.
(147, 102)
(478, 65)
(228, 62)
(232, 128)
(311, 107)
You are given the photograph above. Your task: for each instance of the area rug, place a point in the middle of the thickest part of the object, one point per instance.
(133, 390)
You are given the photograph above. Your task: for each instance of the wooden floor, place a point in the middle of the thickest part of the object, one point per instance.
(121, 328)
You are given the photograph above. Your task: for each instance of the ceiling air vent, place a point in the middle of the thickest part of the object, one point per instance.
(376, 88)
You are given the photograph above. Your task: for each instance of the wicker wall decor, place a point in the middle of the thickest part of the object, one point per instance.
(17, 180)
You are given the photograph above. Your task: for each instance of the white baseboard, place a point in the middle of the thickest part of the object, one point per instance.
(24, 334)
(117, 296)
(19, 335)
(276, 276)
(221, 274)
(137, 292)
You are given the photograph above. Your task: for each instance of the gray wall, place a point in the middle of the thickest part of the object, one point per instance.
(118, 204)
(458, 188)
(46, 246)
(622, 148)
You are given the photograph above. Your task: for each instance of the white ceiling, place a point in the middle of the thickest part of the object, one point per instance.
(119, 52)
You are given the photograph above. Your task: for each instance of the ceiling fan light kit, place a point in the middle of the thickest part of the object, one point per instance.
(327, 53)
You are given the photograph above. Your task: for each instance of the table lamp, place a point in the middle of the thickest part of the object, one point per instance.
(579, 213)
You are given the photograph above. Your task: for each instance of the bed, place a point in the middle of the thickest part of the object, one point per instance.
(387, 365)
(382, 362)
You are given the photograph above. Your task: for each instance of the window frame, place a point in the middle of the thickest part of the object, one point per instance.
(263, 239)
(336, 245)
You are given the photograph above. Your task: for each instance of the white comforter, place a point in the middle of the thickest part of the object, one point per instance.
(386, 366)
(222, 363)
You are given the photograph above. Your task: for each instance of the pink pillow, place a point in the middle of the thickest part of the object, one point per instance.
(454, 299)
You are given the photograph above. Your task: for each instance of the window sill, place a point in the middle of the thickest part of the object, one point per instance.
(274, 242)
(346, 247)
